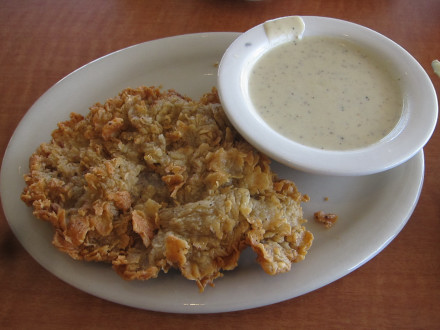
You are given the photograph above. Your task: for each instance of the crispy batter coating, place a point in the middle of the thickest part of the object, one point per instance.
(152, 180)
(327, 219)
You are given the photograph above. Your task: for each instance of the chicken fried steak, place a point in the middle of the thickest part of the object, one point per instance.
(153, 180)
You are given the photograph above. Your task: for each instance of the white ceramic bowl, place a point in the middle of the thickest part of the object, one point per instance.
(415, 127)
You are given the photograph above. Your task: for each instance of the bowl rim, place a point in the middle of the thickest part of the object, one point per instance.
(413, 131)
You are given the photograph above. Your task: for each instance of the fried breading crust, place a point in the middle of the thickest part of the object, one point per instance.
(152, 180)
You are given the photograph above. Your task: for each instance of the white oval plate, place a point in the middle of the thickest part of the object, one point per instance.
(410, 135)
(372, 209)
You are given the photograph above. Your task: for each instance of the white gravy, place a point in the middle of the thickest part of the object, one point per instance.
(284, 29)
(326, 93)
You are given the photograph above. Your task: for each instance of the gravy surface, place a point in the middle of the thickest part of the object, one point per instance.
(326, 92)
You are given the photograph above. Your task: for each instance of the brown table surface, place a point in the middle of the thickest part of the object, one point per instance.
(42, 41)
